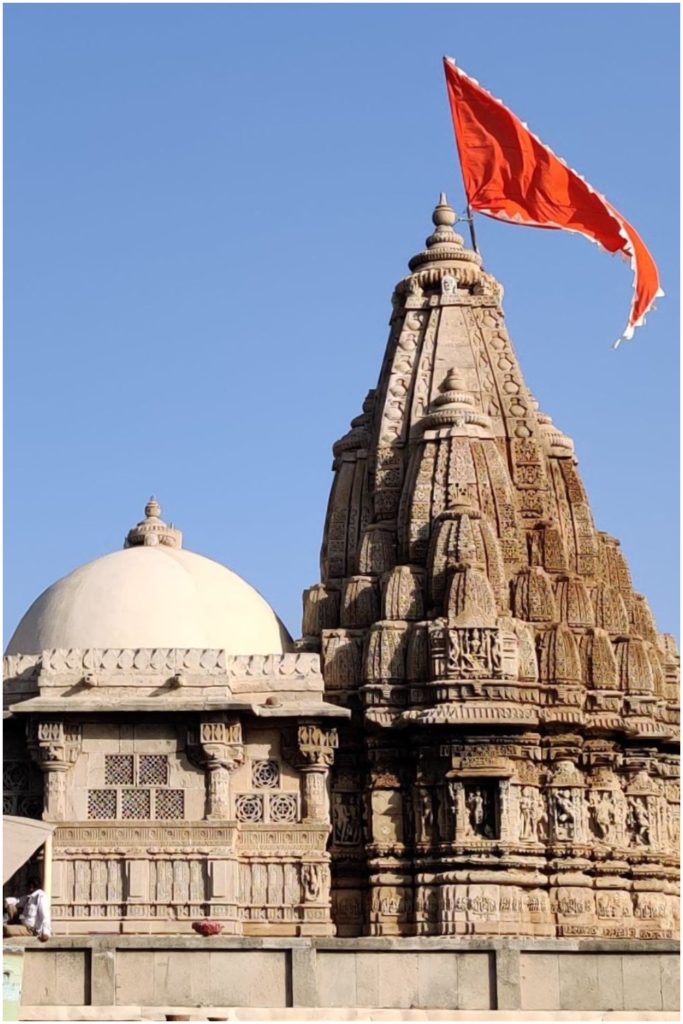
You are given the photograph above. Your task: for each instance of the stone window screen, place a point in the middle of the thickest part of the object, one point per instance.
(153, 770)
(270, 806)
(283, 807)
(169, 803)
(136, 803)
(102, 803)
(119, 769)
(249, 807)
(137, 789)
(265, 774)
(22, 789)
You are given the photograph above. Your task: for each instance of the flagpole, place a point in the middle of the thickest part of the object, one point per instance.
(470, 219)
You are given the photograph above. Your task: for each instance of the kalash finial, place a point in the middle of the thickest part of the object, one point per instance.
(445, 246)
(443, 219)
(444, 215)
(152, 509)
(152, 530)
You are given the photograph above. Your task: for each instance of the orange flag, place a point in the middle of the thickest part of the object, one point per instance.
(509, 174)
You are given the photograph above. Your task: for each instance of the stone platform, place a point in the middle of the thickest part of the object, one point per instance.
(347, 979)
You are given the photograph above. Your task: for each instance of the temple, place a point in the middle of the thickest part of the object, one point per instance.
(476, 736)
(511, 765)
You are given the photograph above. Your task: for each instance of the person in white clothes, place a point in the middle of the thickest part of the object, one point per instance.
(29, 915)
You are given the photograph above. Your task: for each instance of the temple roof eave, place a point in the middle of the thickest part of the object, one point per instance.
(283, 709)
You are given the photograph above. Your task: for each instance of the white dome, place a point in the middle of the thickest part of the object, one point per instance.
(151, 596)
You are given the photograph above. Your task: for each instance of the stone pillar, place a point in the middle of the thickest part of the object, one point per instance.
(220, 740)
(54, 746)
(316, 804)
(313, 756)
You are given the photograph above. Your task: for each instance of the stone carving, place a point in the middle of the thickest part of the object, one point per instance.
(533, 599)
(54, 746)
(402, 599)
(635, 670)
(321, 609)
(342, 656)
(346, 819)
(563, 814)
(530, 814)
(638, 821)
(222, 752)
(481, 811)
(360, 601)
(385, 657)
(474, 653)
(470, 600)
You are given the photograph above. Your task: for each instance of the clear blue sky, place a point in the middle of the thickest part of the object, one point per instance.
(206, 210)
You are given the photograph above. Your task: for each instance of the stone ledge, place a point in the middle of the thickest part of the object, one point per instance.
(398, 944)
(158, 1013)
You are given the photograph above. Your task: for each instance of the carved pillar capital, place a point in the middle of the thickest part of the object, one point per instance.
(220, 740)
(54, 745)
(310, 749)
(316, 745)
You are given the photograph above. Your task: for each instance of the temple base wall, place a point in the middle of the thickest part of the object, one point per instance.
(83, 974)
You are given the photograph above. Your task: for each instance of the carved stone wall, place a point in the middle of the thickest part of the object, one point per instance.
(511, 764)
(164, 821)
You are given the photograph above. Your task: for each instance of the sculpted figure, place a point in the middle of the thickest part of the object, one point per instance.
(620, 811)
(425, 814)
(603, 815)
(346, 818)
(448, 285)
(311, 881)
(673, 824)
(479, 813)
(562, 809)
(639, 821)
(529, 813)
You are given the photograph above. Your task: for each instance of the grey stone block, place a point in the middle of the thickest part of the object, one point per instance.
(247, 978)
(578, 976)
(38, 980)
(367, 978)
(437, 981)
(398, 987)
(102, 977)
(304, 975)
(337, 979)
(135, 977)
(610, 981)
(540, 981)
(508, 981)
(474, 981)
(671, 982)
(642, 982)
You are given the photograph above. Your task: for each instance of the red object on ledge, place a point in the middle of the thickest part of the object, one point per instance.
(207, 927)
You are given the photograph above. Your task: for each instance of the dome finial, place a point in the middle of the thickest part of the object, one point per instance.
(152, 530)
(153, 509)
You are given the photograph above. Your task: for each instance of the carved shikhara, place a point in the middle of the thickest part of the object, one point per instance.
(511, 767)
